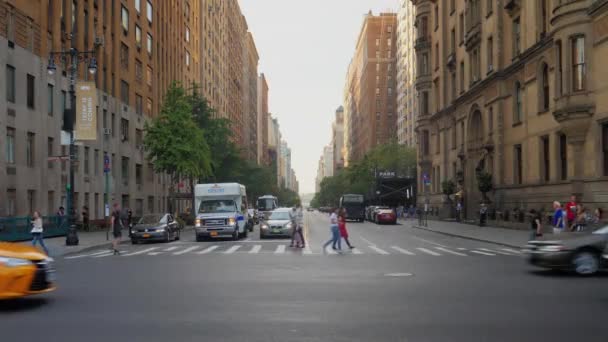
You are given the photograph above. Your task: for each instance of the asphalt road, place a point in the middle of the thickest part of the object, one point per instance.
(401, 284)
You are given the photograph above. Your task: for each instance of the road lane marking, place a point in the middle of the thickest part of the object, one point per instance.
(307, 250)
(255, 249)
(141, 251)
(208, 249)
(280, 249)
(450, 251)
(492, 251)
(367, 241)
(402, 251)
(156, 253)
(330, 250)
(511, 250)
(427, 241)
(170, 249)
(108, 253)
(232, 249)
(189, 249)
(483, 253)
(379, 250)
(356, 251)
(87, 255)
(428, 251)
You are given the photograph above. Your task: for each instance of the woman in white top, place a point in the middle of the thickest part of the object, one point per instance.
(335, 232)
(37, 231)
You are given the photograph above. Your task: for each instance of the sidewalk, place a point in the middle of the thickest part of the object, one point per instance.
(500, 236)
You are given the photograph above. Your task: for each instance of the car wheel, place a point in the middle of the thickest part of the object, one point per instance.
(262, 236)
(586, 263)
(235, 236)
(199, 238)
(168, 237)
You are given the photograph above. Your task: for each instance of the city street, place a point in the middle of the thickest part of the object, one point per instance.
(399, 284)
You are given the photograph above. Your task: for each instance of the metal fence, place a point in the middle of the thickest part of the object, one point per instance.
(19, 228)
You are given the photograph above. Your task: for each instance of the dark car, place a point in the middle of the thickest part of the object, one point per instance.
(385, 215)
(156, 227)
(578, 252)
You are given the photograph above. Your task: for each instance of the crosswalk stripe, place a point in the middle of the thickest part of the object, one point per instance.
(511, 250)
(170, 249)
(307, 250)
(356, 251)
(108, 253)
(449, 251)
(255, 249)
(492, 251)
(86, 255)
(141, 251)
(330, 250)
(427, 251)
(232, 249)
(280, 249)
(379, 250)
(208, 249)
(482, 253)
(402, 251)
(189, 249)
(155, 253)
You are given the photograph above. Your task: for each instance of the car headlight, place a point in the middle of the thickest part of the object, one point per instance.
(160, 230)
(554, 248)
(133, 231)
(231, 221)
(264, 226)
(289, 225)
(197, 222)
(14, 262)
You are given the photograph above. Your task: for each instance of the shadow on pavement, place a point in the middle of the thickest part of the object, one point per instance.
(22, 304)
(565, 274)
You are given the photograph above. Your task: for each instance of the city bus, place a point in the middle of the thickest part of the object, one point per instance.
(354, 204)
(266, 204)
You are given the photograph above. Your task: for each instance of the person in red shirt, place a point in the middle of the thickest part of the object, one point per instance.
(342, 227)
(571, 212)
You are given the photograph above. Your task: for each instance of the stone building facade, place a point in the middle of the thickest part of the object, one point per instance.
(515, 88)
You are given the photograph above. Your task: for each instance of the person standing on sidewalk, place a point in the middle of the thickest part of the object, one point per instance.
(571, 213)
(458, 210)
(116, 226)
(85, 218)
(558, 218)
(37, 231)
(342, 227)
(535, 225)
(335, 232)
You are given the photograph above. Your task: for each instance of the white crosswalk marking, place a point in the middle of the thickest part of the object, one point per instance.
(140, 251)
(511, 250)
(170, 249)
(86, 255)
(492, 251)
(379, 250)
(280, 249)
(449, 251)
(356, 251)
(307, 250)
(107, 253)
(330, 250)
(255, 249)
(156, 253)
(402, 251)
(208, 249)
(232, 249)
(189, 249)
(482, 253)
(428, 251)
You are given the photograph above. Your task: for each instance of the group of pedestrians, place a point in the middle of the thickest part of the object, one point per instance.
(337, 224)
(405, 212)
(572, 217)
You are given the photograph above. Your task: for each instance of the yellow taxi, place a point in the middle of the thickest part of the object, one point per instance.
(24, 271)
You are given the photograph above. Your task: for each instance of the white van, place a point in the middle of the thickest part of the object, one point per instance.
(221, 211)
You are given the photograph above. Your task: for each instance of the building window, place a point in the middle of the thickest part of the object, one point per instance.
(139, 137)
(518, 164)
(124, 92)
(490, 54)
(543, 18)
(490, 119)
(49, 99)
(30, 155)
(425, 143)
(138, 174)
(461, 26)
(546, 160)
(563, 157)
(187, 34)
(138, 36)
(424, 106)
(544, 88)
(149, 44)
(149, 107)
(437, 56)
(138, 6)
(125, 170)
(377, 91)
(578, 63)
(10, 145)
(452, 6)
(516, 37)
(461, 134)
(149, 76)
(11, 202)
(86, 160)
(150, 204)
(31, 201)
(390, 92)
(149, 11)
(124, 16)
(187, 58)
(559, 74)
(124, 130)
(124, 56)
(96, 162)
(605, 147)
(453, 40)
(377, 67)
(139, 105)
(113, 124)
(517, 114)
(454, 131)
(424, 28)
(462, 77)
(489, 7)
(31, 94)
(139, 70)
(10, 83)
(436, 17)
(425, 64)
(50, 152)
(454, 88)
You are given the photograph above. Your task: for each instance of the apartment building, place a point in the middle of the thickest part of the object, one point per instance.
(406, 73)
(514, 88)
(264, 128)
(250, 97)
(370, 91)
(337, 139)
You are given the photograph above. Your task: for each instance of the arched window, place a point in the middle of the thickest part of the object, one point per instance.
(490, 120)
(517, 112)
(545, 87)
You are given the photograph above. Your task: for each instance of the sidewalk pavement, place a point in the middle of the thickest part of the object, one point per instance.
(500, 236)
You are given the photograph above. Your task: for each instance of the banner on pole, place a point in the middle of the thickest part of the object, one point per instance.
(86, 111)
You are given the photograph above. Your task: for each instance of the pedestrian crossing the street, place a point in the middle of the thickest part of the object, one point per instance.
(258, 249)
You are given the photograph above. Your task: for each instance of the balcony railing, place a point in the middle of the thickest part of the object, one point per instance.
(423, 42)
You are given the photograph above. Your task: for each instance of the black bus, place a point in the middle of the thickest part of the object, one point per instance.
(354, 205)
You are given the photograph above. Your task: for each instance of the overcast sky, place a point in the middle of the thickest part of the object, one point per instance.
(305, 47)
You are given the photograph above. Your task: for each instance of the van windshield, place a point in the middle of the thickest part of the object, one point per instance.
(217, 206)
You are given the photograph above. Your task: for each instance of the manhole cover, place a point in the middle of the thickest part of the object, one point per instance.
(398, 274)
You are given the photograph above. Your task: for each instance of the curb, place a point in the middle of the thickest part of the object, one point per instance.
(466, 237)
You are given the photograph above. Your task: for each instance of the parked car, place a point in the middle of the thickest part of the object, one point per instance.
(156, 227)
(373, 212)
(578, 252)
(24, 271)
(385, 215)
(278, 224)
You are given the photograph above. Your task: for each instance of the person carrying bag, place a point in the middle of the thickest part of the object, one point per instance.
(37, 231)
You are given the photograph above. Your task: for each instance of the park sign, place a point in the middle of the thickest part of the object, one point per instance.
(86, 111)
(387, 174)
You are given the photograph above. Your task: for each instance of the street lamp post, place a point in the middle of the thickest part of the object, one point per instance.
(69, 119)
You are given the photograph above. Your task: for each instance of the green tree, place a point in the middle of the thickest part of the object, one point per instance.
(173, 141)
(448, 187)
(484, 184)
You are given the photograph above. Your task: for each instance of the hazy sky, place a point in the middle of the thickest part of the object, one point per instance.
(305, 47)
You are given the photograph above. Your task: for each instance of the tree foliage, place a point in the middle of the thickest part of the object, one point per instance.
(484, 182)
(448, 187)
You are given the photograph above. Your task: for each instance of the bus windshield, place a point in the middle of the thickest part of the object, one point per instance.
(352, 199)
(266, 204)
